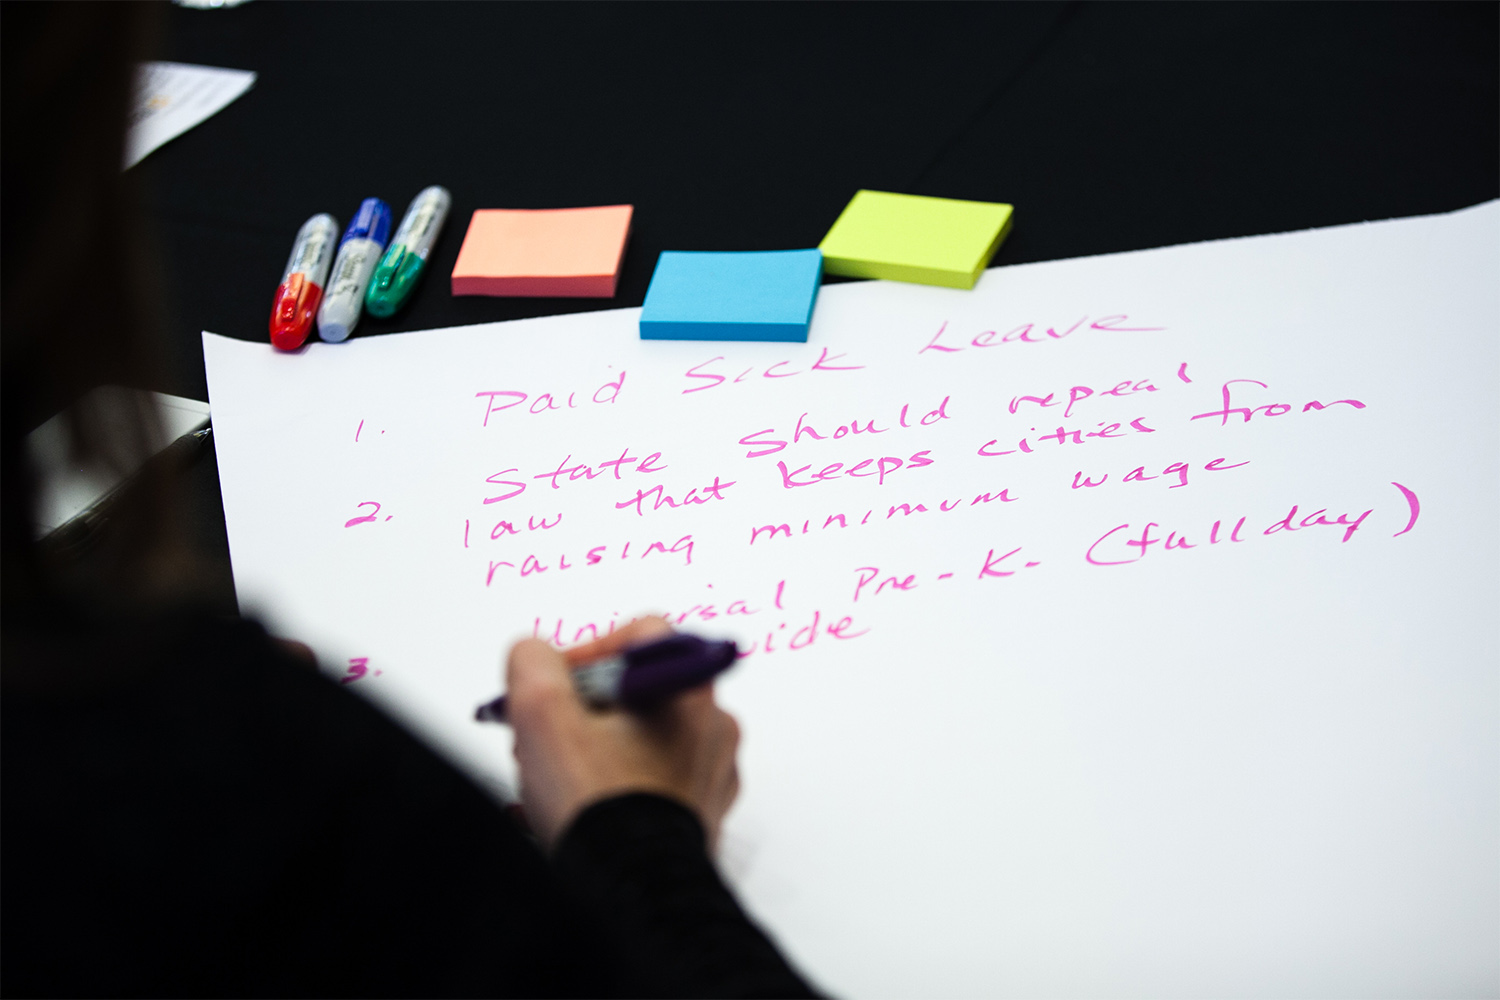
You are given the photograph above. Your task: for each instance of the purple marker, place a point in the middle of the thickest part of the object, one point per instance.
(640, 679)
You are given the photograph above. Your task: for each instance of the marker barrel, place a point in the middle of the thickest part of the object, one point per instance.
(301, 289)
(358, 254)
(399, 269)
(642, 678)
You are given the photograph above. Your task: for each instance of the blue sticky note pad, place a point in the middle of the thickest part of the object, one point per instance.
(732, 296)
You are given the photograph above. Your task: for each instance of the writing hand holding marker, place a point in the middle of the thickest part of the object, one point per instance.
(643, 676)
(572, 755)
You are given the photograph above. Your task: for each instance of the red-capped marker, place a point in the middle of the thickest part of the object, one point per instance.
(301, 288)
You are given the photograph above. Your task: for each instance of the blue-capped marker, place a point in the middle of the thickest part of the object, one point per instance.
(358, 254)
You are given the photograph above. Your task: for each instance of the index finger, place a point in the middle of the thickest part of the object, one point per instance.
(537, 684)
(637, 633)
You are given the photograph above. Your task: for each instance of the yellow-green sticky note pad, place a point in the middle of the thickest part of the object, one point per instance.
(909, 237)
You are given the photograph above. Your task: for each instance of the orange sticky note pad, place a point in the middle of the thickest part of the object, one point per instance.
(565, 252)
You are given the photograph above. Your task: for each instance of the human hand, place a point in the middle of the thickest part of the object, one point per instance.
(299, 651)
(572, 755)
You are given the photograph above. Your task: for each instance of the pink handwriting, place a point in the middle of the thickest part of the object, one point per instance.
(787, 636)
(781, 369)
(535, 565)
(785, 530)
(503, 528)
(1413, 505)
(1064, 436)
(798, 639)
(1123, 544)
(1031, 333)
(1078, 393)
(504, 399)
(589, 631)
(366, 518)
(769, 445)
(359, 667)
(1146, 540)
(617, 465)
(991, 566)
(883, 467)
(571, 473)
(712, 491)
(1269, 409)
(867, 574)
(1317, 518)
(1138, 474)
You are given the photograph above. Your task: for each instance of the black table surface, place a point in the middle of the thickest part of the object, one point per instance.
(1110, 126)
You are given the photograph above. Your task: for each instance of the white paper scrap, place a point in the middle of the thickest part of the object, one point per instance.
(171, 98)
(67, 488)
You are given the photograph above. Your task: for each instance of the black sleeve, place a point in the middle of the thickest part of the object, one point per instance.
(641, 861)
(199, 815)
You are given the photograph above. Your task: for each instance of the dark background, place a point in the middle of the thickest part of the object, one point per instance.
(1110, 126)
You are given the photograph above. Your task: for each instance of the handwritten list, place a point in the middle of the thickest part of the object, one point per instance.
(1125, 625)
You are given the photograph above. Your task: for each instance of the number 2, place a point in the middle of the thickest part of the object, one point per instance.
(367, 517)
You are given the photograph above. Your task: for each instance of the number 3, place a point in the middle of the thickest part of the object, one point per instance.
(358, 666)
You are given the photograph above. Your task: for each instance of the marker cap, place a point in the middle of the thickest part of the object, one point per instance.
(371, 222)
(395, 277)
(401, 267)
(301, 289)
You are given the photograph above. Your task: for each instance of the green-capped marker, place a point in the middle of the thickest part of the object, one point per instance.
(404, 260)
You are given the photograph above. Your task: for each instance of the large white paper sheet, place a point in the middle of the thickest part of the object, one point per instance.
(171, 98)
(1125, 626)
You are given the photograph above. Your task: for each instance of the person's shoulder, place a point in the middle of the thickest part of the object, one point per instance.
(187, 690)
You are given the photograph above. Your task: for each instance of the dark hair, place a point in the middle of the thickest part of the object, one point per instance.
(76, 283)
